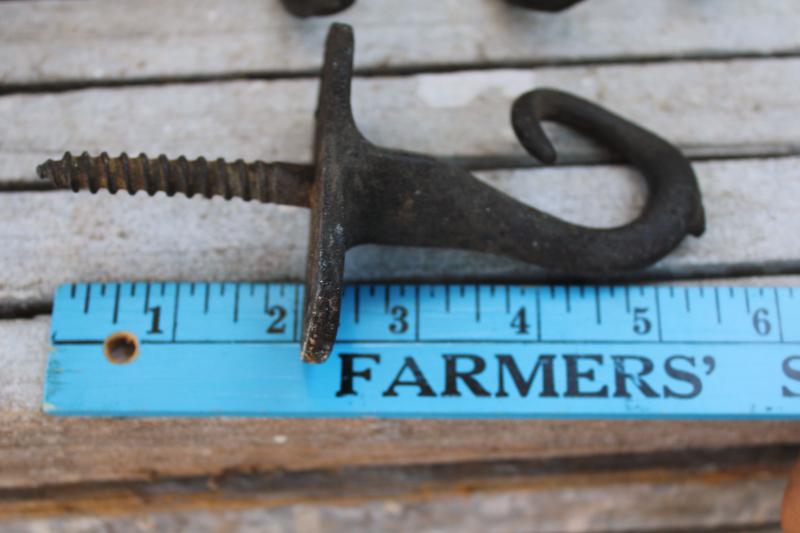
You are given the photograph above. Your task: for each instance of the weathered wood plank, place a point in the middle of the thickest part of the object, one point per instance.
(57, 237)
(44, 450)
(48, 41)
(721, 490)
(708, 108)
(600, 510)
(331, 519)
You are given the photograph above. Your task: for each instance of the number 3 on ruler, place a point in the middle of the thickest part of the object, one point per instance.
(399, 314)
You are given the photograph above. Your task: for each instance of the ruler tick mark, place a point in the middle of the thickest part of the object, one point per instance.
(599, 316)
(658, 314)
(447, 298)
(778, 311)
(356, 303)
(627, 299)
(538, 315)
(477, 304)
(686, 298)
(116, 305)
(716, 302)
(133, 289)
(236, 304)
(207, 297)
(508, 299)
(163, 288)
(295, 325)
(567, 299)
(73, 288)
(102, 289)
(747, 300)
(386, 298)
(175, 312)
(147, 297)
(416, 311)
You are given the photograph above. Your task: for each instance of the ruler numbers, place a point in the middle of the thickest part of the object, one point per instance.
(272, 313)
(91, 311)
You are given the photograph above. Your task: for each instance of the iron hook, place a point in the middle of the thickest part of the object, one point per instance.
(361, 193)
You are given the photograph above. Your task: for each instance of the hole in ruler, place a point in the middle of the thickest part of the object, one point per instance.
(121, 347)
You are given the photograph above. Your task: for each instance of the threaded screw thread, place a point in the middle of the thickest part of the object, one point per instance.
(283, 183)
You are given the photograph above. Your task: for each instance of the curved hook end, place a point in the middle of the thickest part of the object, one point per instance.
(526, 118)
(674, 207)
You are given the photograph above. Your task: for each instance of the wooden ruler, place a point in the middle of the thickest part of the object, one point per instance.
(404, 350)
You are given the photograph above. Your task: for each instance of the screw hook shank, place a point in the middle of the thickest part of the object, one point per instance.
(282, 183)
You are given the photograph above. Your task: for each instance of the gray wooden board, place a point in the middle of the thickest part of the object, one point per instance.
(44, 450)
(730, 108)
(59, 237)
(51, 41)
(750, 504)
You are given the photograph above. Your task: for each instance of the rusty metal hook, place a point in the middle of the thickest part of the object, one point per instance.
(361, 193)
(319, 8)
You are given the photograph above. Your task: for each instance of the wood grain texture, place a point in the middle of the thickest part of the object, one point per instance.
(51, 41)
(746, 506)
(57, 237)
(44, 450)
(731, 108)
(734, 489)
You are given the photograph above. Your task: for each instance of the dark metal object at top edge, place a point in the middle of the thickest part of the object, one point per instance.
(545, 5)
(361, 193)
(319, 8)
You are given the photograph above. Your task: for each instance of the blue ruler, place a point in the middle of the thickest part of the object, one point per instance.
(498, 351)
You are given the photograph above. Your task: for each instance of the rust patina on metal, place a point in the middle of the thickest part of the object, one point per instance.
(361, 193)
(318, 8)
